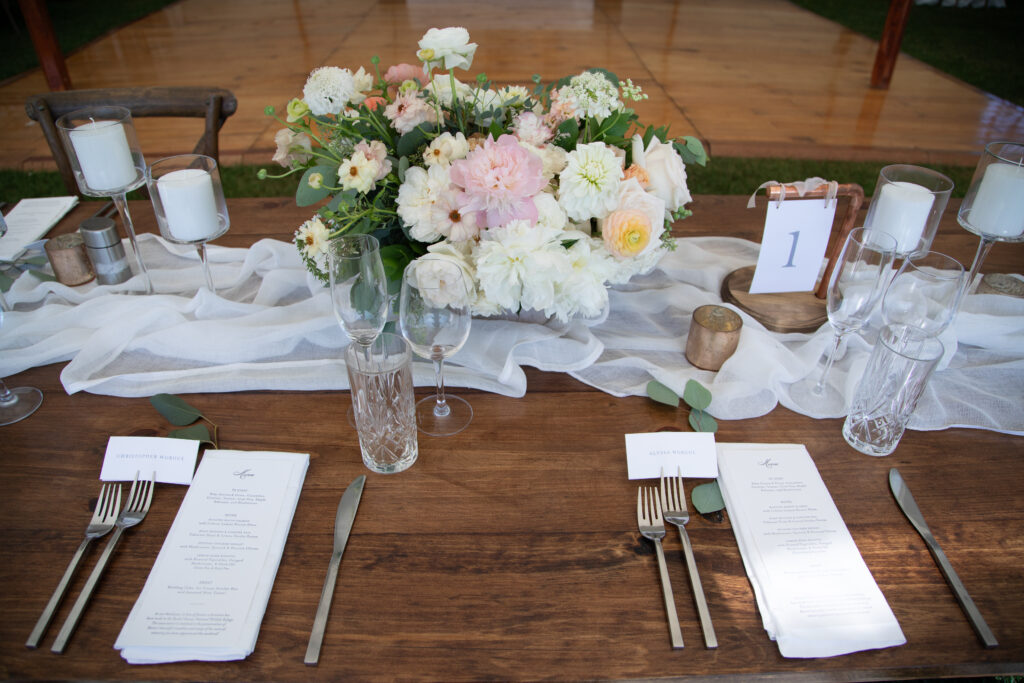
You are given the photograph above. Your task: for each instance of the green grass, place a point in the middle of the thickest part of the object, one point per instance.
(75, 23)
(723, 175)
(981, 46)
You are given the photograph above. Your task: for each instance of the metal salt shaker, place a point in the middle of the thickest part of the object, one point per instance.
(103, 244)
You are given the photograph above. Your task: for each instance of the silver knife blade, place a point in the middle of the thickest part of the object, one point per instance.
(909, 507)
(343, 521)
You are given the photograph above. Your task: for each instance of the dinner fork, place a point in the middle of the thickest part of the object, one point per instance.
(673, 499)
(139, 498)
(648, 518)
(103, 516)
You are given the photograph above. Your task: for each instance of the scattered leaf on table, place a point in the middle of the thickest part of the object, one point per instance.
(175, 409)
(197, 432)
(662, 394)
(702, 422)
(696, 396)
(707, 498)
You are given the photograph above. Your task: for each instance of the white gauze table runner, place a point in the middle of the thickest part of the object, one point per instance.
(270, 326)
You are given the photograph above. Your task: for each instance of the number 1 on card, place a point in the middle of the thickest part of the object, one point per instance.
(796, 233)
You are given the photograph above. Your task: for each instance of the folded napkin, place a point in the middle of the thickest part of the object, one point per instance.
(816, 596)
(206, 594)
(29, 220)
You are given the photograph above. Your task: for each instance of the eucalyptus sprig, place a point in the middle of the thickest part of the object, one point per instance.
(695, 395)
(181, 414)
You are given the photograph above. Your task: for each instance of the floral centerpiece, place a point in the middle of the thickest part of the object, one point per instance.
(543, 195)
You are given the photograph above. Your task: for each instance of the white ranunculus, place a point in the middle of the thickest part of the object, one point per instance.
(446, 47)
(363, 83)
(328, 89)
(292, 146)
(666, 170)
(442, 281)
(417, 198)
(441, 87)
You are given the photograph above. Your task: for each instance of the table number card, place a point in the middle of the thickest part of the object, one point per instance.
(795, 237)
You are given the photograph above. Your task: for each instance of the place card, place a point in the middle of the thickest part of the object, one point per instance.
(691, 453)
(815, 594)
(206, 594)
(173, 460)
(793, 245)
(29, 220)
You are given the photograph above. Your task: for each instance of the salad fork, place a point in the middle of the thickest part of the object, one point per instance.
(648, 518)
(139, 498)
(673, 498)
(107, 507)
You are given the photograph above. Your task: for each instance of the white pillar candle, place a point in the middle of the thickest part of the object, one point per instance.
(104, 155)
(190, 207)
(998, 208)
(902, 212)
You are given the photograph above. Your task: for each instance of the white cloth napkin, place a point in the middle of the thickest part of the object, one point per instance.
(270, 326)
(815, 594)
(206, 594)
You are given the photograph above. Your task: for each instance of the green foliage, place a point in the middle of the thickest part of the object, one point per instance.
(181, 414)
(695, 395)
(197, 432)
(306, 195)
(662, 394)
(707, 498)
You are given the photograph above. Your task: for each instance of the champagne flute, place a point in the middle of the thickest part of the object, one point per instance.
(858, 280)
(434, 315)
(359, 288)
(924, 292)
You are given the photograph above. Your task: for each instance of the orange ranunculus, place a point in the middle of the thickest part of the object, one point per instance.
(626, 232)
(374, 101)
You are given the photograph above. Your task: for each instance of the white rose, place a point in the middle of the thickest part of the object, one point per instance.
(666, 170)
(449, 47)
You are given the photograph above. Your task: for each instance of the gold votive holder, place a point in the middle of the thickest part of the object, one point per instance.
(67, 256)
(714, 335)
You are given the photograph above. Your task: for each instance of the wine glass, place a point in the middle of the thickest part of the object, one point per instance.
(993, 207)
(188, 201)
(858, 280)
(359, 288)
(107, 161)
(18, 403)
(435, 318)
(924, 292)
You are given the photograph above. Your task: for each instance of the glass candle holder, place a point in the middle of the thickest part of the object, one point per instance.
(908, 204)
(188, 200)
(106, 160)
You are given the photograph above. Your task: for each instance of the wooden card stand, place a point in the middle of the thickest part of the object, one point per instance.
(794, 311)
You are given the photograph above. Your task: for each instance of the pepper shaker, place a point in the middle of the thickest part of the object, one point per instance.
(103, 244)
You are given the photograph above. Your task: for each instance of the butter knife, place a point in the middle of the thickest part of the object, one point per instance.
(906, 502)
(342, 526)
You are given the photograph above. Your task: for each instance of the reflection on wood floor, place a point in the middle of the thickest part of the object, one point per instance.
(750, 77)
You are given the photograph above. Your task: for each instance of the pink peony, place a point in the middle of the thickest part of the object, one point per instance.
(498, 181)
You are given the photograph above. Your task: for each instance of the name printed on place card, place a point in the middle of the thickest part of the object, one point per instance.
(691, 454)
(173, 460)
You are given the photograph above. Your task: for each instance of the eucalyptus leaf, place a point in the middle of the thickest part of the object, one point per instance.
(197, 432)
(408, 143)
(5, 282)
(306, 195)
(696, 396)
(403, 166)
(707, 498)
(662, 394)
(175, 409)
(702, 422)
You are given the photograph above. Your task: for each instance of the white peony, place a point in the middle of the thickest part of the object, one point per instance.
(531, 129)
(549, 213)
(445, 149)
(518, 264)
(666, 170)
(589, 184)
(328, 89)
(448, 48)
(583, 291)
(418, 197)
(442, 281)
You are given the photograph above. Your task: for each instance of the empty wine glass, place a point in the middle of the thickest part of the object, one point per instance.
(924, 292)
(435, 318)
(359, 288)
(18, 403)
(858, 280)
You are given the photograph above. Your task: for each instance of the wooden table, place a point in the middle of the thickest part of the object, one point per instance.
(510, 551)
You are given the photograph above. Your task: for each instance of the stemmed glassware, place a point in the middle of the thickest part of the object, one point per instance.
(107, 161)
(188, 201)
(359, 288)
(993, 207)
(924, 292)
(18, 403)
(858, 280)
(434, 315)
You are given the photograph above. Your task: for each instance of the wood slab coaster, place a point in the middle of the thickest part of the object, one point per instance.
(779, 312)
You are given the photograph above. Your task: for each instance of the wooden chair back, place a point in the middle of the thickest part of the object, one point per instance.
(215, 105)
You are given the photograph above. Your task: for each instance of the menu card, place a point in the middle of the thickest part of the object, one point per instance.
(29, 220)
(815, 594)
(206, 594)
